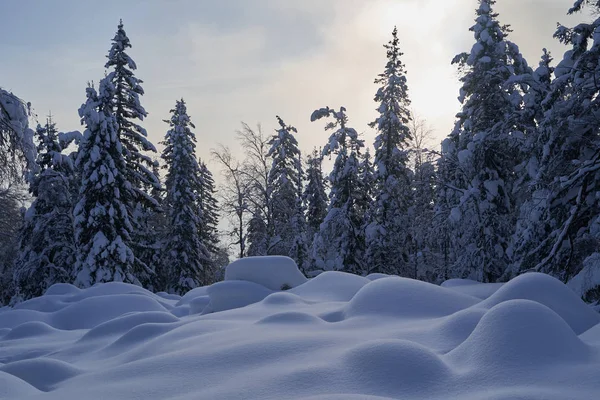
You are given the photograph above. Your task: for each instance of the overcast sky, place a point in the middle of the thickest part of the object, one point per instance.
(242, 60)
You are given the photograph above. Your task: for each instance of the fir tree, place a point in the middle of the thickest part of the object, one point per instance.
(209, 209)
(47, 243)
(337, 246)
(480, 152)
(102, 222)
(314, 196)
(300, 247)
(386, 235)
(186, 263)
(568, 223)
(530, 194)
(134, 138)
(285, 181)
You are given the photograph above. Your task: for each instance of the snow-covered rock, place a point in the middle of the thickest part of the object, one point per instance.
(272, 272)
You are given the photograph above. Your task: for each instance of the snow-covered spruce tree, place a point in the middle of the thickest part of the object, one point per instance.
(150, 227)
(285, 181)
(300, 244)
(386, 234)
(569, 223)
(17, 155)
(209, 209)
(366, 180)
(47, 242)
(425, 254)
(186, 262)
(480, 152)
(338, 246)
(314, 196)
(530, 194)
(129, 112)
(101, 220)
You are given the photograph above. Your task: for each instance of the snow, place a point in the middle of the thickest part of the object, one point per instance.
(272, 272)
(336, 336)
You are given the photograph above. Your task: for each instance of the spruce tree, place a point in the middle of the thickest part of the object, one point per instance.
(314, 196)
(209, 209)
(568, 227)
(47, 243)
(285, 181)
(338, 246)
(300, 244)
(529, 191)
(479, 155)
(134, 138)
(186, 262)
(386, 235)
(102, 222)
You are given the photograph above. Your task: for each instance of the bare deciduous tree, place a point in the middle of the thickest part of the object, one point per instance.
(233, 195)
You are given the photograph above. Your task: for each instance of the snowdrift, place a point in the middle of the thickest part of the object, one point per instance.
(336, 336)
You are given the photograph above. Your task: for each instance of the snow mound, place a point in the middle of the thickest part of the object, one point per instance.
(336, 336)
(272, 272)
(516, 332)
(402, 297)
(389, 366)
(550, 292)
(290, 317)
(41, 373)
(126, 322)
(61, 289)
(12, 387)
(376, 276)
(29, 330)
(331, 286)
(472, 288)
(228, 295)
(283, 299)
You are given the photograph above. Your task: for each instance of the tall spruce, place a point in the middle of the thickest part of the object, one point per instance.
(47, 242)
(186, 262)
(102, 222)
(300, 243)
(209, 209)
(314, 196)
(480, 152)
(568, 230)
(134, 138)
(529, 191)
(338, 246)
(285, 181)
(386, 235)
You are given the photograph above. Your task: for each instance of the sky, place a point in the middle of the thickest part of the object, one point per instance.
(240, 60)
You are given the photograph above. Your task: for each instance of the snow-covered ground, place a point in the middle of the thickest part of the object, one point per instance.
(337, 336)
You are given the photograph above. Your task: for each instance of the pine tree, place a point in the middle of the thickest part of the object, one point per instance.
(134, 138)
(285, 181)
(386, 235)
(479, 155)
(337, 246)
(314, 196)
(47, 243)
(186, 263)
(102, 222)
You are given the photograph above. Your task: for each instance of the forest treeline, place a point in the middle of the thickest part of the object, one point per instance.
(513, 188)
